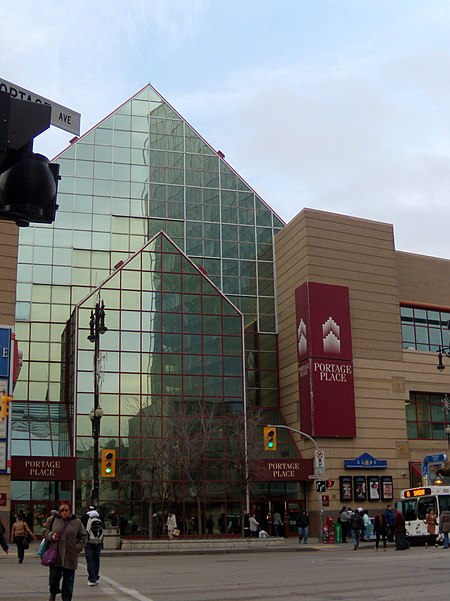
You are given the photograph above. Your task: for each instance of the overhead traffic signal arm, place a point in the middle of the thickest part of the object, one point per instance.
(270, 438)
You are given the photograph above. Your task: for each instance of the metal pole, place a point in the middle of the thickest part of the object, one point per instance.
(317, 448)
(96, 421)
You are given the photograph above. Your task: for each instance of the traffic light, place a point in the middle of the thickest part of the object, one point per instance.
(108, 463)
(270, 438)
(28, 181)
(5, 405)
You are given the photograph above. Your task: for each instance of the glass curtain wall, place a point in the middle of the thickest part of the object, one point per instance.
(142, 170)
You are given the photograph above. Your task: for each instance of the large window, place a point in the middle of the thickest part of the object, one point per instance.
(424, 329)
(426, 415)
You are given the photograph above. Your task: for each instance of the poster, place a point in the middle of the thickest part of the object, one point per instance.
(345, 488)
(387, 489)
(373, 488)
(359, 483)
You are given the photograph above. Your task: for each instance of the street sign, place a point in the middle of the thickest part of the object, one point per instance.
(319, 461)
(61, 116)
(321, 486)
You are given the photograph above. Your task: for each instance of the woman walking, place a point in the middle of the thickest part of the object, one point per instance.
(20, 532)
(431, 523)
(67, 531)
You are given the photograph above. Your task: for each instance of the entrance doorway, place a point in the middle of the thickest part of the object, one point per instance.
(36, 512)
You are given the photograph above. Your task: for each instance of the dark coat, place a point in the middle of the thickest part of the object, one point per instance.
(444, 521)
(72, 541)
(399, 523)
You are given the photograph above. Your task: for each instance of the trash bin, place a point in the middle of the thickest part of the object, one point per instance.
(111, 539)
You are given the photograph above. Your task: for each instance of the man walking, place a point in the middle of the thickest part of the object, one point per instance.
(94, 528)
(303, 527)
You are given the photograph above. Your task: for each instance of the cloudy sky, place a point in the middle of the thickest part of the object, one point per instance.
(339, 105)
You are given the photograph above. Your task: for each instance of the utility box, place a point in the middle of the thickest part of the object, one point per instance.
(111, 539)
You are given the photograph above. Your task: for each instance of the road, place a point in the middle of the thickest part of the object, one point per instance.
(338, 574)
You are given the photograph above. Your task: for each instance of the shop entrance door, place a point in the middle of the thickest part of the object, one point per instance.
(36, 512)
(293, 510)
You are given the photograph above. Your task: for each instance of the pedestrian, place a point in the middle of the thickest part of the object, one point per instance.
(3, 544)
(431, 522)
(444, 525)
(171, 524)
(277, 524)
(113, 518)
(357, 525)
(254, 525)
(367, 525)
(21, 535)
(65, 529)
(399, 531)
(380, 529)
(95, 529)
(303, 527)
(344, 520)
(389, 517)
(156, 526)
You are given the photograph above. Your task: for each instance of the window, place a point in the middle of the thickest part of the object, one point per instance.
(426, 416)
(424, 329)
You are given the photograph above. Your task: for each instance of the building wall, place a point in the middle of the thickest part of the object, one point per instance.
(8, 270)
(360, 254)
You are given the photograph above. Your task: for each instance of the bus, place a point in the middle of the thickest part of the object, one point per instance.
(414, 505)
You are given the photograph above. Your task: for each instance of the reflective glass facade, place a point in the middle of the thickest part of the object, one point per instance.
(174, 337)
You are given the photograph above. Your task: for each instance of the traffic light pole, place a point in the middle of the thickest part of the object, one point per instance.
(96, 328)
(316, 474)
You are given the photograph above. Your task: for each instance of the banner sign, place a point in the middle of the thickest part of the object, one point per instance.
(43, 468)
(365, 461)
(267, 470)
(325, 359)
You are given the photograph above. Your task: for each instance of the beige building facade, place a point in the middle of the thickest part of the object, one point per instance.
(391, 373)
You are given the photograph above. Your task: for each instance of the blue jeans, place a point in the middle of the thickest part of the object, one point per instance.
(356, 533)
(92, 553)
(303, 534)
(68, 577)
(445, 540)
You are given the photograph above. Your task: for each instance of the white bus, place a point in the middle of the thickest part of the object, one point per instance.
(414, 505)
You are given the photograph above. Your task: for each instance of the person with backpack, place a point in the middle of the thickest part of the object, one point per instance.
(356, 524)
(95, 529)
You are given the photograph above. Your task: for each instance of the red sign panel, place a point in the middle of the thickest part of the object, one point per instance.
(2, 499)
(267, 470)
(43, 468)
(324, 349)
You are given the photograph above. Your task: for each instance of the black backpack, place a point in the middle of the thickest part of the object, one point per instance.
(356, 522)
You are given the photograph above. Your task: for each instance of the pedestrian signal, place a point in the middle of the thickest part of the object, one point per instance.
(108, 463)
(5, 405)
(270, 438)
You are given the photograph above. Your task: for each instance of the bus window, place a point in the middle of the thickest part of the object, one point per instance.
(409, 509)
(444, 502)
(424, 505)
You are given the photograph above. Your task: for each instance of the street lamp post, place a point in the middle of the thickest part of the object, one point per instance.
(96, 329)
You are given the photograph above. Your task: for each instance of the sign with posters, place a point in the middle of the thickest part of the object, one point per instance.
(345, 489)
(373, 488)
(387, 488)
(359, 484)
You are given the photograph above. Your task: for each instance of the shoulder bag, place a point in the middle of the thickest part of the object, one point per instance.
(48, 558)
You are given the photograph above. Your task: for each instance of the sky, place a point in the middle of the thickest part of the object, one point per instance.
(336, 105)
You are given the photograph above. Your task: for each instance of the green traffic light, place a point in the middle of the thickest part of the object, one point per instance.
(270, 444)
(108, 470)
